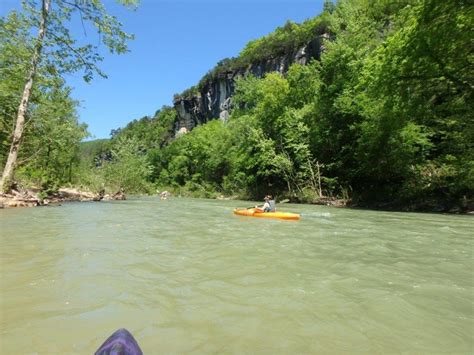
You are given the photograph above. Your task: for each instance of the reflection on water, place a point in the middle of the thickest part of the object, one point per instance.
(187, 276)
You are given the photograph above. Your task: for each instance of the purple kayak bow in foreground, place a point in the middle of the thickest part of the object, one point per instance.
(120, 343)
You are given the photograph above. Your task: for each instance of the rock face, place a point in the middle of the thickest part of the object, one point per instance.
(214, 99)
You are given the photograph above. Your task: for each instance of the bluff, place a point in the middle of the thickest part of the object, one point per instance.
(212, 99)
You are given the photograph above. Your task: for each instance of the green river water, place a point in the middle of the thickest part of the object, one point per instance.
(188, 276)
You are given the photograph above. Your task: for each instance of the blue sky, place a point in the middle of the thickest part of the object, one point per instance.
(176, 43)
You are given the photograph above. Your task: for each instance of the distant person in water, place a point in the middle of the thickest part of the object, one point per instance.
(269, 205)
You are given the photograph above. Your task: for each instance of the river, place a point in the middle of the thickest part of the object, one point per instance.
(187, 276)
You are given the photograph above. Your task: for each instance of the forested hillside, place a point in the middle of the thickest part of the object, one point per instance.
(384, 118)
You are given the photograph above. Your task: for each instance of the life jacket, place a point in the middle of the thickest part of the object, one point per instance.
(272, 205)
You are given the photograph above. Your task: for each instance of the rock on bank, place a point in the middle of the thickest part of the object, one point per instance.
(33, 198)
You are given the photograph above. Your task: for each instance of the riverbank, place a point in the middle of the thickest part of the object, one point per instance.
(35, 197)
(464, 206)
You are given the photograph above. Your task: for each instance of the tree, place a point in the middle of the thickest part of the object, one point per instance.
(55, 48)
(329, 6)
(129, 168)
(14, 53)
(417, 101)
(52, 133)
(51, 142)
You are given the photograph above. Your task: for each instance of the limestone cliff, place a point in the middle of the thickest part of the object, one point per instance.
(213, 99)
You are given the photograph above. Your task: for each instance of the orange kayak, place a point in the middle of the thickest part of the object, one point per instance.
(253, 212)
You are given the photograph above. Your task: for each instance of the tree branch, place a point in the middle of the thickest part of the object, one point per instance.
(88, 65)
(80, 13)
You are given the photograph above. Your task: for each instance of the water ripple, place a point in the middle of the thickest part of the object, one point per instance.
(187, 276)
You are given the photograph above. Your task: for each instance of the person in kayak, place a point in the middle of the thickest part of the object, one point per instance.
(268, 206)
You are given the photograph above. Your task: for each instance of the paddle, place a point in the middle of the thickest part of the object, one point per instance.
(257, 209)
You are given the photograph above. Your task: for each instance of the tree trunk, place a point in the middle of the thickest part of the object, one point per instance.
(319, 180)
(313, 178)
(5, 182)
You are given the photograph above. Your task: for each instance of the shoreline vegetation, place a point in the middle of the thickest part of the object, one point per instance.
(34, 197)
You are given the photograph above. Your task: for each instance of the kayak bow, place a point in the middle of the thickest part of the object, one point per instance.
(253, 212)
(120, 343)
